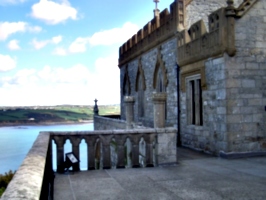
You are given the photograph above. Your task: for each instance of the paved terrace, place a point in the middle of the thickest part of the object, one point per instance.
(196, 176)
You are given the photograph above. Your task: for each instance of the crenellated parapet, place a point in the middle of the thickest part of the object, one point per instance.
(159, 29)
(196, 43)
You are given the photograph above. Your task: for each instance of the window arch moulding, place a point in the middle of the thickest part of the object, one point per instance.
(126, 84)
(140, 74)
(160, 67)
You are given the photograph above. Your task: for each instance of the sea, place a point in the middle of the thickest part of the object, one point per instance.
(16, 141)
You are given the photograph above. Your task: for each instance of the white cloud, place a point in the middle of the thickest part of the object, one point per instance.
(52, 12)
(79, 45)
(108, 37)
(57, 39)
(115, 35)
(13, 45)
(42, 43)
(9, 28)
(59, 85)
(7, 63)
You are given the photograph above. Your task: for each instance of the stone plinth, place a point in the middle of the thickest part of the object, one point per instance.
(129, 102)
(159, 109)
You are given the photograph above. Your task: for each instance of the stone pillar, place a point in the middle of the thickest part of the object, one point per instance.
(75, 149)
(120, 140)
(159, 109)
(230, 14)
(90, 140)
(95, 109)
(106, 140)
(60, 141)
(129, 102)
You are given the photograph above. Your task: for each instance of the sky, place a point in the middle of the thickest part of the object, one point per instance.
(55, 52)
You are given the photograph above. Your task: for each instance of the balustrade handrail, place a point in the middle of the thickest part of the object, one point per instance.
(118, 131)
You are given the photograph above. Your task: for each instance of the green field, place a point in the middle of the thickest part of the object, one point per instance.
(54, 114)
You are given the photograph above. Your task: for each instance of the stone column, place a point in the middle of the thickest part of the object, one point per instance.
(90, 140)
(75, 149)
(60, 141)
(159, 109)
(129, 102)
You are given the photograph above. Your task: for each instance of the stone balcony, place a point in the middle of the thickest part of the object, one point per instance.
(35, 177)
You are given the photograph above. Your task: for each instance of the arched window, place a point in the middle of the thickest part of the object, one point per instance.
(126, 84)
(160, 80)
(140, 89)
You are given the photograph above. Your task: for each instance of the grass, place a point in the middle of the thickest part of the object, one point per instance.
(57, 114)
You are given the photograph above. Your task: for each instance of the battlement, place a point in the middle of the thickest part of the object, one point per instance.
(159, 29)
(196, 43)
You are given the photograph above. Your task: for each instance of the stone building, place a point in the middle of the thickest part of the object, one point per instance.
(205, 60)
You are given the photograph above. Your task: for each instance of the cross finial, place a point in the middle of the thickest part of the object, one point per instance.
(156, 3)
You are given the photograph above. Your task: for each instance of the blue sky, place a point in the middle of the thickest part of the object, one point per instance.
(56, 52)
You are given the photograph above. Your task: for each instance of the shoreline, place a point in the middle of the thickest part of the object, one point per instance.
(45, 123)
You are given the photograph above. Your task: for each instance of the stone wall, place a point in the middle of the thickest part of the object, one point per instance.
(105, 123)
(211, 137)
(148, 63)
(246, 83)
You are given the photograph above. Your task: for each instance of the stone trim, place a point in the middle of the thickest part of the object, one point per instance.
(244, 7)
(193, 69)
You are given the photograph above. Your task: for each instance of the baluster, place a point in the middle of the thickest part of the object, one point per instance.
(106, 139)
(75, 140)
(135, 150)
(90, 140)
(149, 138)
(120, 140)
(60, 141)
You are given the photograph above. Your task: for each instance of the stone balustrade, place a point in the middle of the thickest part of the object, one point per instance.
(159, 147)
(34, 178)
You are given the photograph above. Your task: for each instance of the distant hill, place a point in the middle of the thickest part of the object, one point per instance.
(53, 114)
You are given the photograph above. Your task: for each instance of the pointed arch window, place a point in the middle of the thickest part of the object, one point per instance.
(140, 89)
(160, 80)
(126, 84)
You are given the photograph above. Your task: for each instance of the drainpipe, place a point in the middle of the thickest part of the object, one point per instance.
(178, 106)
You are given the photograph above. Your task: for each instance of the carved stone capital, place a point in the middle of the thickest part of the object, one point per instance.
(129, 99)
(159, 97)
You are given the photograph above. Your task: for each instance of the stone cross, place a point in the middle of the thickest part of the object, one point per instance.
(156, 3)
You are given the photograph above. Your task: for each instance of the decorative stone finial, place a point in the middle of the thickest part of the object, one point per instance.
(230, 9)
(156, 10)
(230, 3)
(95, 109)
